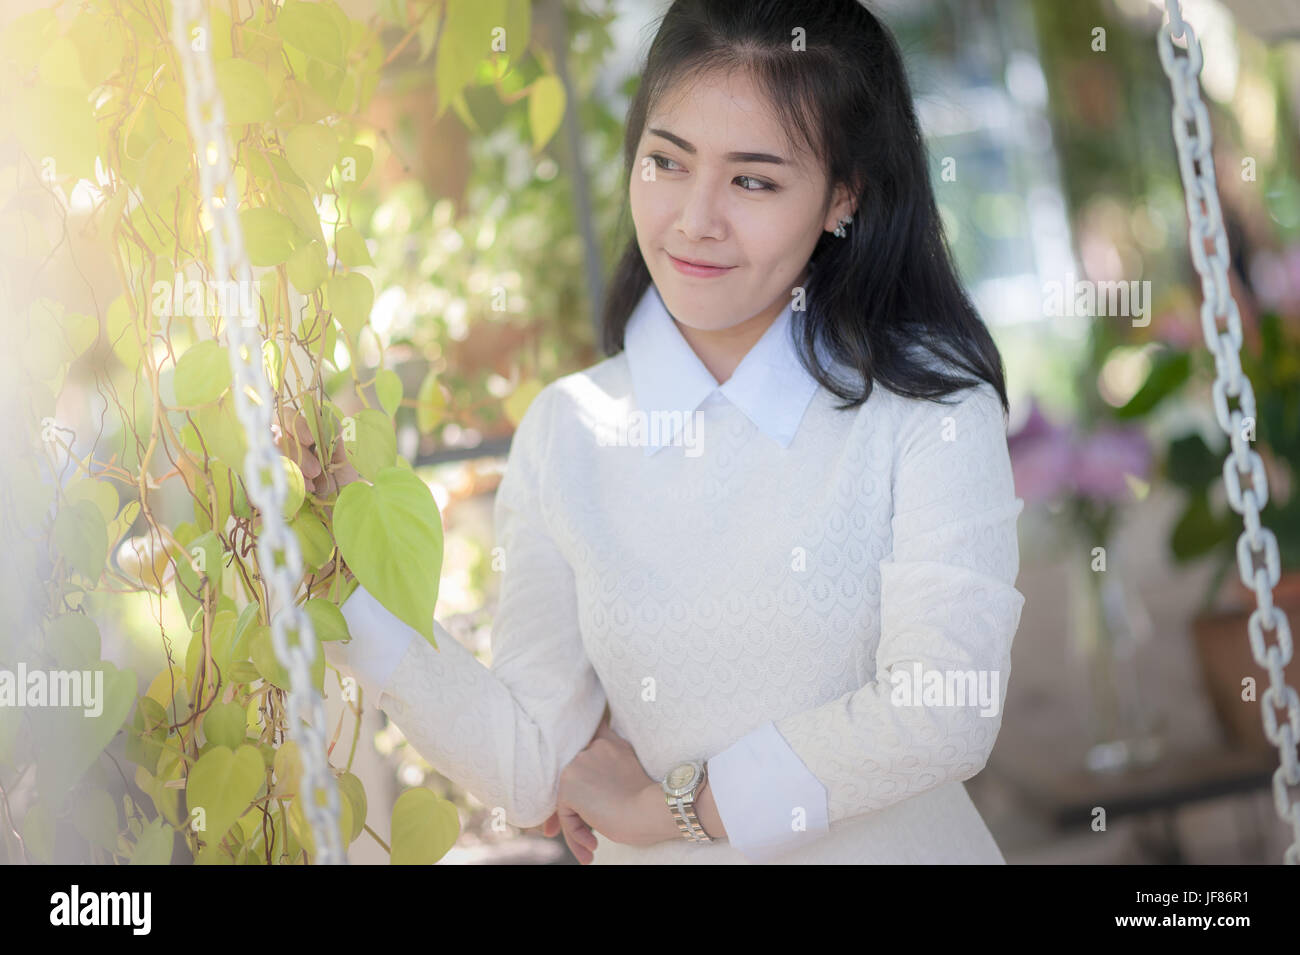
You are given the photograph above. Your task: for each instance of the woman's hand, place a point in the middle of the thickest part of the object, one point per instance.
(604, 788)
(294, 439)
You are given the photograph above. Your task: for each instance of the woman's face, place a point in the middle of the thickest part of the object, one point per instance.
(758, 215)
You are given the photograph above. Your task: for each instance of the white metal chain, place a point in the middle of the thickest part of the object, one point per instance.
(192, 35)
(1197, 165)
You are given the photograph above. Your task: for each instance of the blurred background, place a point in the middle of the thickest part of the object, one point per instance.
(1053, 160)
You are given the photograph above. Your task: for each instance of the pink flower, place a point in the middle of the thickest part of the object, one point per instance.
(1040, 458)
(1103, 458)
(1048, 461)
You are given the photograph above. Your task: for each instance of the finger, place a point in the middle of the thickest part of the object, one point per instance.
(577, 831)
(579, 851)
(552, 824)
(582, 832)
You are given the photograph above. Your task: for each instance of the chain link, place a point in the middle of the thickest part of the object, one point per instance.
(1196, 163)
(278, 554)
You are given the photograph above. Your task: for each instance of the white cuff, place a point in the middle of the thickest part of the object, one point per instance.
(770, 803)
(379, 641)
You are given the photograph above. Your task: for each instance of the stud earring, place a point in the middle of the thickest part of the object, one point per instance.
(840, 231)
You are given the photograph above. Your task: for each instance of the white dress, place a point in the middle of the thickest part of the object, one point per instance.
(818, 603)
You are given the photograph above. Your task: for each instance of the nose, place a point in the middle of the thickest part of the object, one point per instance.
(700, 216)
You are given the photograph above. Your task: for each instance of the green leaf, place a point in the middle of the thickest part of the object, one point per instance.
(222, 433)
(521, 398)
(287, 766)
(26, 37)
(1168, 374)
(273, 363)
(390, 534)
(350, 298)
(301, 827)
(73, 638)
(38, 833)
(1198, 531)
(351, 248)
(262, 650)
(314, 538)
(518, 24)
(165, 166)
(370, 442)
(350, 786)
(311, 28)
(223, 783)
(388, 386)
(68, 739)
(545, 109)
(95, 818)
(80, 331)
(202, 374)
(431, 404)
(148, 731)
(92, 489)
(327, 620)
(245, 91)
(353, 166)
(268, 236)
(467, 36)
(56, 123)
(81, 535)
(302, 212)
(307, 267)
(424, 827)
(225, 724)
(311, 150)
(154, 846)
(1191, 464)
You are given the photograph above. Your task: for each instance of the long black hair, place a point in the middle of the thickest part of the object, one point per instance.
(886, 300)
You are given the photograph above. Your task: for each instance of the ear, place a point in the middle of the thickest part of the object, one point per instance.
(843, 205)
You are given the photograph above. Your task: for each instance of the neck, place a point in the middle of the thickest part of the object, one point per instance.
(721, 350)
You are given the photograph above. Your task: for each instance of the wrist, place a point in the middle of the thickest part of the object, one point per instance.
(660, 818)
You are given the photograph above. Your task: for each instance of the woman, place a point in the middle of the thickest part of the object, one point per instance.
(774, 532)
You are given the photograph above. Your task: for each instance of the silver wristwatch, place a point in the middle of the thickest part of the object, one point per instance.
(681, 787)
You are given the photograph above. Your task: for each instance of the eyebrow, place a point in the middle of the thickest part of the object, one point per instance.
(730, 157)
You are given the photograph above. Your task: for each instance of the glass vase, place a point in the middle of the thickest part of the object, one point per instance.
(1107, 624)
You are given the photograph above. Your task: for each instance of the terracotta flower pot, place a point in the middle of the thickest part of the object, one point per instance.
(1223, 649)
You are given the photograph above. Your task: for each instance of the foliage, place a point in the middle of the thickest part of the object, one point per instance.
(154, 500)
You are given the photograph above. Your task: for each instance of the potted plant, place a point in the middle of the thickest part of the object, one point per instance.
(1208, 528)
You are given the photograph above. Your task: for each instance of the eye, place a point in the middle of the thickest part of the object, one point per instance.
(660, 159)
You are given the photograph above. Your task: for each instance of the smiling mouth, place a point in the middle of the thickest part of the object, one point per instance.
(696, 268)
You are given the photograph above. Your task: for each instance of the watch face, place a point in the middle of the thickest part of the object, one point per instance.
(681, 776)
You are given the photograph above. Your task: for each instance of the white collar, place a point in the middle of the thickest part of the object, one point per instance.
(770, 385)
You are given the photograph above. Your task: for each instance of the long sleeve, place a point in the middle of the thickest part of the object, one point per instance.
(502, 732)
(949, 612)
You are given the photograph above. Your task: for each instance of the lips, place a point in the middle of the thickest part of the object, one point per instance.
(696, 268)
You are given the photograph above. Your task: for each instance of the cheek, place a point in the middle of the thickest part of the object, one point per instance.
(649, 207)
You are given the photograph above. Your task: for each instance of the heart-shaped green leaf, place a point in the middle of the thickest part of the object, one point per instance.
(202, 374)
(154, 846)
(244, 90)
(312, 149)
(327, 620)
(390, 534)
(81, 535)
(424, 827)
(223, 782)
(351, 297)
(370, 442)
(388, 386)
(225, 724)
(69, 738)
